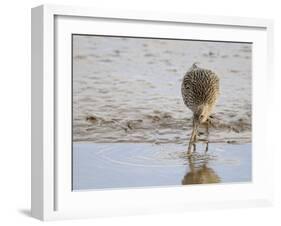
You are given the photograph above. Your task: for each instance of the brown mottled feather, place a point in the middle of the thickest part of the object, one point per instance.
(200, 87)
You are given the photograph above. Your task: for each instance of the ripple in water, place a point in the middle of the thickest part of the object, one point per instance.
(99, 166)
(150, 156)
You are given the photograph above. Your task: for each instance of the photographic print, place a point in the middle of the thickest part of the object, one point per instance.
(160, 112)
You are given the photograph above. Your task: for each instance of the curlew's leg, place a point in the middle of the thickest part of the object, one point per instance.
(191, 142)
(192, 139)
(194, 142)
(207, 138)
(207, 146)
(193, 146)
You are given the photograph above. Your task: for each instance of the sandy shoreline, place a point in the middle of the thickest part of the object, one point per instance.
(128, 90)
(160, 128)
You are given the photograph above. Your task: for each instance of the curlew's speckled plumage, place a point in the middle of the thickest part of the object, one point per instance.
(200, 92)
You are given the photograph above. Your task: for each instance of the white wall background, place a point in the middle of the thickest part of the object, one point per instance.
(15, 111)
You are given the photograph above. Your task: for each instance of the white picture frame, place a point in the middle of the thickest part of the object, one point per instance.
(52, 197)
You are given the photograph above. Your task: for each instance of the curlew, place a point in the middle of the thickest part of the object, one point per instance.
(200, 92)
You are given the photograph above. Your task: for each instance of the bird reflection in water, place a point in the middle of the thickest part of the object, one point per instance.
(199, 172)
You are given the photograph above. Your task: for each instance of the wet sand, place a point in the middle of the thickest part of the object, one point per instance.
(128, 89)
(124, 165)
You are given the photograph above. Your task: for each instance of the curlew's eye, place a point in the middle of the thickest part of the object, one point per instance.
(201, 117)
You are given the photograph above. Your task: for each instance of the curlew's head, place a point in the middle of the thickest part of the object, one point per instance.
(194, 66)
(201, 114)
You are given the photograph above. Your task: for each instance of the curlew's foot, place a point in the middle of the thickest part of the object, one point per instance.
(189, 150)
(194, 147)
(207, 147)
(206, 142)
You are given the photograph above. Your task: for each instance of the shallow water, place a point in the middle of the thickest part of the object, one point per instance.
(128, 89)
(100, 166)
